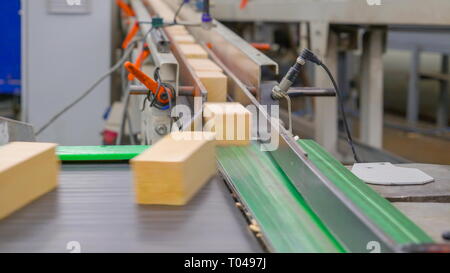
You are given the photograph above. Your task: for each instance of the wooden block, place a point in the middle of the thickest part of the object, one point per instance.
(176, 30)
(173, 170)
(193, 51)
(207, 65)
(231, 122)
(183, 39)
(27, 171)
(216, 85)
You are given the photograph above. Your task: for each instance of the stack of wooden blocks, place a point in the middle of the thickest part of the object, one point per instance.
(209, 73)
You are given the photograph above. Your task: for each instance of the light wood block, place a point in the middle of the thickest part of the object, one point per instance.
(27, 171)
(183, 39)
(193, 51)
(201, 65)
(231, 122)
(177, 30)
(216, 83)
(173, 170)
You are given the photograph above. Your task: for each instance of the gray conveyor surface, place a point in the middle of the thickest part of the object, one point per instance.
(94, 205)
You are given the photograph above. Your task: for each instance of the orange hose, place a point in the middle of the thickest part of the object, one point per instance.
(125, 8)
(133, 31)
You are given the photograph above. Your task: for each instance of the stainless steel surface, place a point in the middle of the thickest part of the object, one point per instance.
(437, 191)
(94, 205)
(405, 12)
(434, 218)
(311, 92)
(12, 130)
(322, 195)
(427, 205)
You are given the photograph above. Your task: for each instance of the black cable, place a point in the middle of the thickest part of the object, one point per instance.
(342, 110)
(125, 56)
(178, 11)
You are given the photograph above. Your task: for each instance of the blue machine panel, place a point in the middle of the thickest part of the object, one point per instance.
(10, 47)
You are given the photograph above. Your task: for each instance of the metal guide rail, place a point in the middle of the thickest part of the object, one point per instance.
(164, 60)
(236, 53)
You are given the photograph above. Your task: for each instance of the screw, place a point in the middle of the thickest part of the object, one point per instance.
(161, 129)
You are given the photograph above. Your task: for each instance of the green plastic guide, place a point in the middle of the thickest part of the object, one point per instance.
(273, 200)
(99, 153)
(391, 221)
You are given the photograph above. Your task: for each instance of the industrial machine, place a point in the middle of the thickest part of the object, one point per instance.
(280, 194)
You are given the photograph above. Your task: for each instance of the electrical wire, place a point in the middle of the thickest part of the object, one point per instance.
(125, 56)
(178, 11)
(342, 110)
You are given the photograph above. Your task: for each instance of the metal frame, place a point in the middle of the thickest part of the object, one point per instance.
(169, 71)
(166, 61)
(224, 43)
(431, 40)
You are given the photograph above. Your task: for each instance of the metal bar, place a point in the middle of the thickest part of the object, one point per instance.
(413, 89)
(325, 108)
(443, 102)
(286, 221)
(371, 129)
(311, 92)
(186, 73)
(166, 61)
(182, 90)
(248, 63)
(382, 213)
(13, 130)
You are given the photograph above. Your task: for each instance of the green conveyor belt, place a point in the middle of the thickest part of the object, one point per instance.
(380, 211)
(99, 153)
(285, 219)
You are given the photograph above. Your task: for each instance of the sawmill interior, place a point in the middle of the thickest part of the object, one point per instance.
(224, 126)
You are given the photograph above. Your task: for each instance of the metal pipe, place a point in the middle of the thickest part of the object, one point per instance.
(142, 90)
(311, 92)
